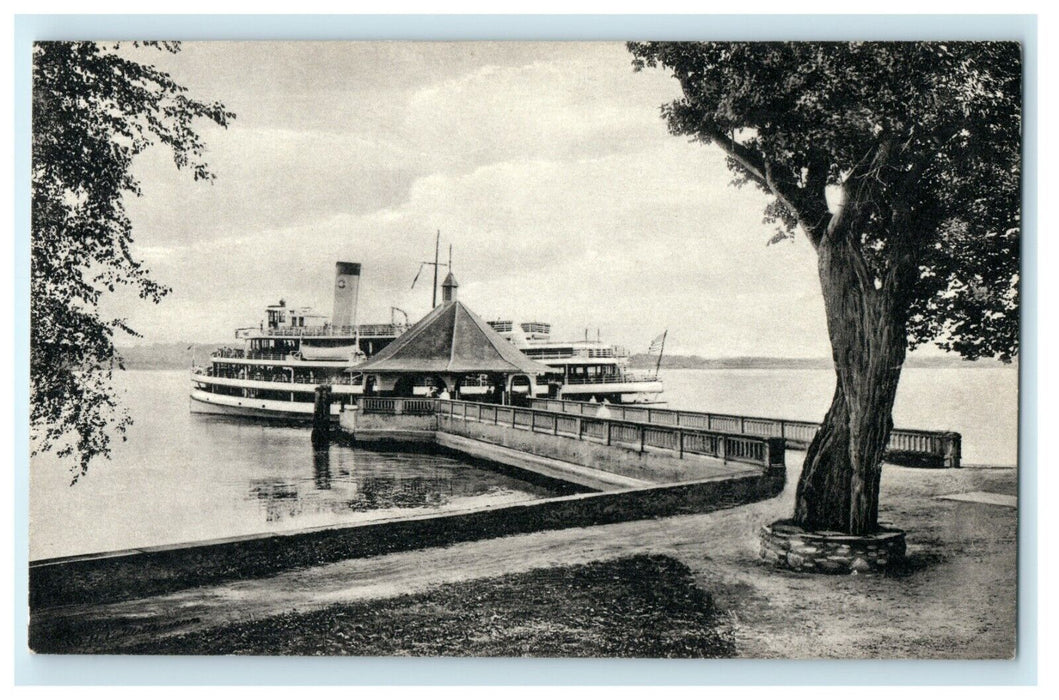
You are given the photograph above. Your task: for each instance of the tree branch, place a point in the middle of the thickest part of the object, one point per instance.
(760, 171)
(752, 164)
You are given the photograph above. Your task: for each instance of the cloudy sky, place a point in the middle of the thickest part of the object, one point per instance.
(545, 165)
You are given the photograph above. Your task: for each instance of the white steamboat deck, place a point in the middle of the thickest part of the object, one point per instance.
(617, 387)
(336, 387)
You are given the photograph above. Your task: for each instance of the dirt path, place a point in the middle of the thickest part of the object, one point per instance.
(955, 599)
(360, 579)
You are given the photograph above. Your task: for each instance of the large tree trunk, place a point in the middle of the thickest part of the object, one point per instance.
(839, 485)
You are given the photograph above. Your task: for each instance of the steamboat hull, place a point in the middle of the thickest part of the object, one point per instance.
(206, 403)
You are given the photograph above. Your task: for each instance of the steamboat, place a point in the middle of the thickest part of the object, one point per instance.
(589, 370)
(275, 370)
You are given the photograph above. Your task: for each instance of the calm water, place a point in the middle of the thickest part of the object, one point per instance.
(980, 404)
(183, 477)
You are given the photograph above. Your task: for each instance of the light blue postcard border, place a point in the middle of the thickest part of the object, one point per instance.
(115, 670)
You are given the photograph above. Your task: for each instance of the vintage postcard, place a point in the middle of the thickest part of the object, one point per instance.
(550, 349)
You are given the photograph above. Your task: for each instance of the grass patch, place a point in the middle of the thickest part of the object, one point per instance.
(640, 606)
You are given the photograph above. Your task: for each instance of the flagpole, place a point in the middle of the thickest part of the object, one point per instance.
(661, 350)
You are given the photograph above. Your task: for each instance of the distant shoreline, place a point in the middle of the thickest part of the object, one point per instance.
(728, 363)
(170, 356)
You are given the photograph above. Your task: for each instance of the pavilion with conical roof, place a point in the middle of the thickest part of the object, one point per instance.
(448, 345)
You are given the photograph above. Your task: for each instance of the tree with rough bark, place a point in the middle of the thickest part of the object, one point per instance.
(900, 163)
(94, 111)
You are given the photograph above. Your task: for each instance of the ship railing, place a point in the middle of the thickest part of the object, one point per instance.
(364, 330)
(610, 352)
(575, 353)
(266, 355)
(342, 380)
(619, 378)
(552, 355)
(600, 353)
(678, 442)
(232, 353)
(906, 446)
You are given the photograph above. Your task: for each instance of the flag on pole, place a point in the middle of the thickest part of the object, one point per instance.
(656, 344)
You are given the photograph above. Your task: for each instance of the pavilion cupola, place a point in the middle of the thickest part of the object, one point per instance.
(448, 288)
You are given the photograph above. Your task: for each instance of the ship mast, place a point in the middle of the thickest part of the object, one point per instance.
(436, 264)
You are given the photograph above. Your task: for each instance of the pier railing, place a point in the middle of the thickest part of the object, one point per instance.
(678, 441)
(393, 406)
(928, 447)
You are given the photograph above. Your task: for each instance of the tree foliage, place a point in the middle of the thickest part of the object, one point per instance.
(918, 146)
(94, 110)
(930, 131)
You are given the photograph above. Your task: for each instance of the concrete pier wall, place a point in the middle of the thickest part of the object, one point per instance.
(588, 477)
(648, 465)
(357, 427)
(137, 573)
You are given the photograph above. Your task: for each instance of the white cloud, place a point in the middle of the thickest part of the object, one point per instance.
(542, 110)
(554, 179)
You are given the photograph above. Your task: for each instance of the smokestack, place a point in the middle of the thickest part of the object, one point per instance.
(347, 283)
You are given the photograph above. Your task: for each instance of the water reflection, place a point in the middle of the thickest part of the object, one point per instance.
(280, 498)
(322, 467)
(344, 480)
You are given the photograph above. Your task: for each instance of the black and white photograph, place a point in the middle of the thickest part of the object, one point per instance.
(553, 349)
